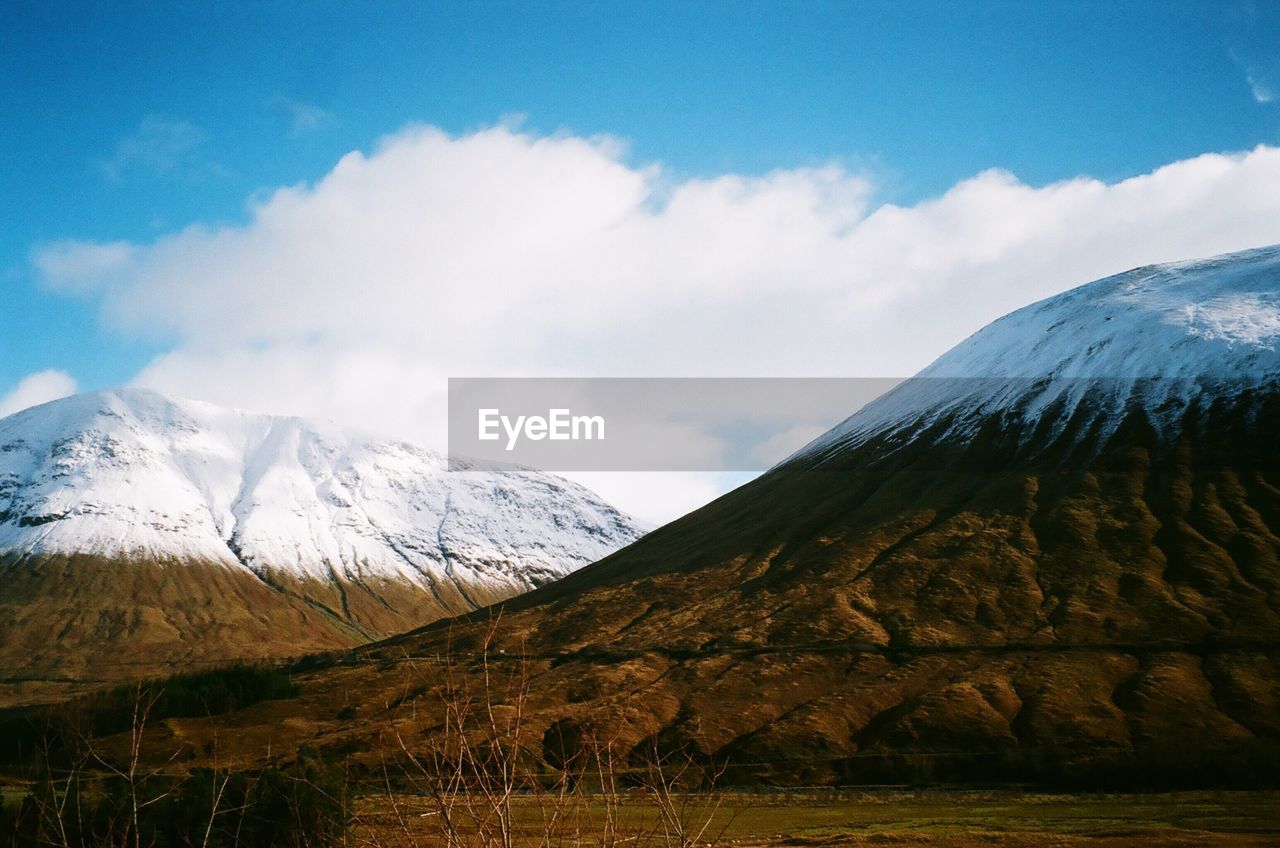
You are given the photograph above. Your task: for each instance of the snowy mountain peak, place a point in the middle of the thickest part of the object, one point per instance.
(1158, 336)
(138, 475)
(1216, 317)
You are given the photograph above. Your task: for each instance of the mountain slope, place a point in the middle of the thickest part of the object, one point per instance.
(1055, 555)
(139, 530)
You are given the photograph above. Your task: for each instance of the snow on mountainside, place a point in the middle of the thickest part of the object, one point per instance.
(135, 474)
(1160, 337)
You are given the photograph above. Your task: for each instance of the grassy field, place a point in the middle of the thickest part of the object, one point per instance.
(957, 819)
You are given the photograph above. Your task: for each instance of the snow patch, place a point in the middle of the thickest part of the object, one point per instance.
(1249, 318)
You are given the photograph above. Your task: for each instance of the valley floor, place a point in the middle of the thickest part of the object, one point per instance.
(954, 819)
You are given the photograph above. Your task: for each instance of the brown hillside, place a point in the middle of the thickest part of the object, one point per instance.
(72, 623)
(1001, 609)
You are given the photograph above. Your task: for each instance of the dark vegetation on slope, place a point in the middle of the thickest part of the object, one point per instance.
(305, 803)
(51, 733)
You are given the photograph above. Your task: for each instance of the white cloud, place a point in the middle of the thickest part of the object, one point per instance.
(782, 445)
(160, 145)
(1261, 89)
(78, 267)
(1256, 63)
(33, 389)
(501, 254)
(655, 497)
(302, 118)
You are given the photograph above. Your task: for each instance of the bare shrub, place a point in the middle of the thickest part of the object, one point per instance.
(462, 769)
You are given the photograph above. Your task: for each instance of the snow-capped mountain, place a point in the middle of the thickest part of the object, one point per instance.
(1055, 552)
(1158, 338)
(341, 537)
(136, 474)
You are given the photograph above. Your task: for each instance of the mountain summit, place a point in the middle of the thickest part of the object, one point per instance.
(138, 528)
(1158, 340)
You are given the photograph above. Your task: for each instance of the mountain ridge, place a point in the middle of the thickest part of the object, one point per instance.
(234, 483)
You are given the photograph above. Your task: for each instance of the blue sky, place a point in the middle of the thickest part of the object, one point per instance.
(125, 122)
(924, 93)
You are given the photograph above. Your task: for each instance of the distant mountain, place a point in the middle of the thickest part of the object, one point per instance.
(139, 531)
(1055, 554)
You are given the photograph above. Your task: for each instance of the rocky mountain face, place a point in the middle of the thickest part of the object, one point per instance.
(1054, 555)
(140, 532)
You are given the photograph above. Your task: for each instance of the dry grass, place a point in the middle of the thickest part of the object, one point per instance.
(934, 818)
